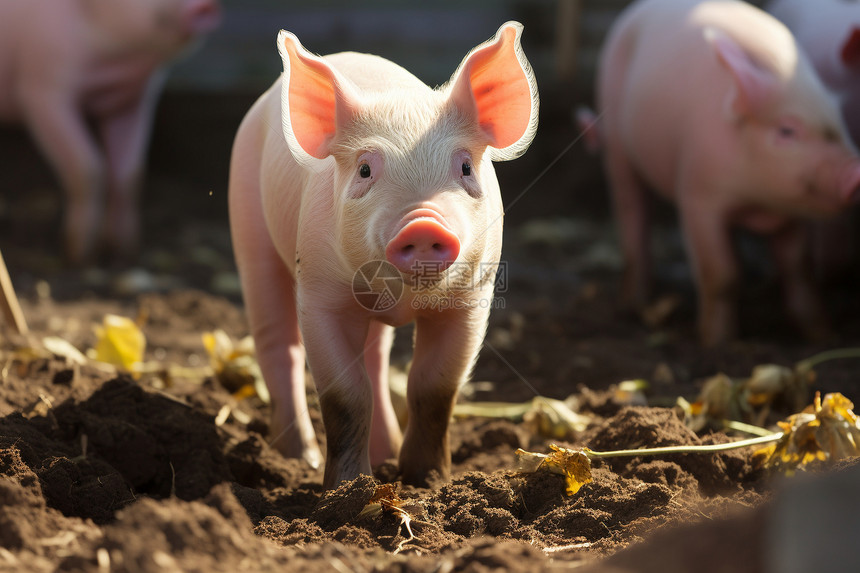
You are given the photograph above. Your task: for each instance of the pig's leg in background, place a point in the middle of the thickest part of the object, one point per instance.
(125, 138)
(335, 343)
(629, 201)
(385, 435)
(714, 266)
(269, 293)
(445, 349)
(61, 133)
(833, 247)
(791, 250)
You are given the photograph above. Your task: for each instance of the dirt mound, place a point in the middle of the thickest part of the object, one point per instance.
(100, 471)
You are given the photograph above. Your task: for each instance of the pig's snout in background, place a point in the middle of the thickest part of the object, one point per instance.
(851, 186)
(200, 17)
(424, 244)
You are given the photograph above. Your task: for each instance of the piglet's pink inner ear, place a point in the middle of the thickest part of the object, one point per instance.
(495, 85)
(754, 85)
(851, 48)
(312, 101)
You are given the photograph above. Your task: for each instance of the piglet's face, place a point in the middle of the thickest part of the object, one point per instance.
(421, 199)
(413, 178)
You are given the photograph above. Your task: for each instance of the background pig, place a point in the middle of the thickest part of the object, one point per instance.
(713, 105)
(82, 77)
(829, 32)
(372, 165)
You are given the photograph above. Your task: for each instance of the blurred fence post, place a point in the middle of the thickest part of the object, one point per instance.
(568, 39)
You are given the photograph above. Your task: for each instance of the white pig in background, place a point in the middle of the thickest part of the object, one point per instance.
(829, 32)
(375, 179)
(82, 76)
(713, 105)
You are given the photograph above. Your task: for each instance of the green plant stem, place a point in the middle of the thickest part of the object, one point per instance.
(827, 355)
(684, 449)
(746, 428)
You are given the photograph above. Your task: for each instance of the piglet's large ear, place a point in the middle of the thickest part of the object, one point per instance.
(315, 102)
(850, 53)
(754, 86)
(495, 85)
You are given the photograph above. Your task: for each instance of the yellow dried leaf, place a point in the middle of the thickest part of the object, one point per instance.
(574, 465)
(385, 498)
(120, 342)
(235, 365)
(828, 431)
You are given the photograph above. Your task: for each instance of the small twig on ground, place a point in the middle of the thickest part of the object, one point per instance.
(405, 519)
(9, 301)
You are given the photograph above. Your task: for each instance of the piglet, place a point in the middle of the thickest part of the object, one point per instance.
(83, 77)
(375, 205)
(713, 105)
(829, 32)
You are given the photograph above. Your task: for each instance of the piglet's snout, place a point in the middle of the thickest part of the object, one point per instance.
(424, 245)
(851, 185)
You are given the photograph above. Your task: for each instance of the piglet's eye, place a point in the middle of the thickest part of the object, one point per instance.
(364, 170)
(787, 131)
(467, 169)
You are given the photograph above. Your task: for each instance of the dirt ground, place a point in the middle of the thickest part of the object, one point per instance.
(101, 472)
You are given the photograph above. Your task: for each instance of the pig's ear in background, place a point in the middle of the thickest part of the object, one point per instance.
(495, 85)
(314, 102)
(850, 53)
(754, 85)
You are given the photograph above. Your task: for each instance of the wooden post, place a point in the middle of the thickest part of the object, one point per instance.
(9, 301)
(567, 39)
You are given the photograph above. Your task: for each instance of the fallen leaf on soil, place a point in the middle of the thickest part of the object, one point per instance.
(747, 400)
(64, 349)
(235, 365)
(546, 417)
(630, 392)
(828, 430)
(384, 499)
(119, 342)
(574, 465)
(656, 314)
(40, 407)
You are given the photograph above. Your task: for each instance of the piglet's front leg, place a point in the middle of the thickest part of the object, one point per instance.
(385, 434)
(445, 349)
(335, 344)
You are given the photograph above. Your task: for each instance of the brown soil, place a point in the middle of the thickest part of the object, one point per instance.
(100, 472)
